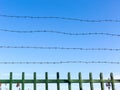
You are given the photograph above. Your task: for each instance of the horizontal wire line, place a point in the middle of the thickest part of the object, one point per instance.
(63, 62)
(63, 18)
(58, 32)
(62, 48)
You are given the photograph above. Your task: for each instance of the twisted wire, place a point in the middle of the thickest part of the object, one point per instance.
(59, 32)
(63, 48)
(63, 18)
(64, 62)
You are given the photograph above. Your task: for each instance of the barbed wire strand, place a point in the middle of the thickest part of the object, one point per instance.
(58, 32)
(63, 62)
(63, 48)
(63, 18)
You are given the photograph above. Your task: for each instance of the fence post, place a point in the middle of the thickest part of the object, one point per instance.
(58, 84)
(91, 81)
(80, 81)
(101, 81)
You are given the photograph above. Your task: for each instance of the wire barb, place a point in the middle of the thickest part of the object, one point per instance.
(63, 62)
(59, 32)
(63, 18)
(63, 48)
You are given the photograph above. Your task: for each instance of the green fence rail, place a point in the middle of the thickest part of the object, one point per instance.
(110, 83)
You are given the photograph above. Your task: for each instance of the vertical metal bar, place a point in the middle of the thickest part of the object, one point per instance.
(46, 78)
(112, 79)
(69, 81)
(0, 86)
(58, 84)
(34, 80)
(23, 77)
(80, 81)
(91, 81)
(101, 81)
(10, 84)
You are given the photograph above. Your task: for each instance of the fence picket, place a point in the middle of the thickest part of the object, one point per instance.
(58, 83)
(101, 80)
(10, 84)
(80, 81)
(46, 79)
(112, 81)
(23, 77)
(69, 81)
(91, 81)
(34, 80)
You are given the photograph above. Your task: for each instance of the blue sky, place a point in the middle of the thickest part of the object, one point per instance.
(83, 9)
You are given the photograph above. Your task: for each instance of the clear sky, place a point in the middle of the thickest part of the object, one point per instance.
(83, 9)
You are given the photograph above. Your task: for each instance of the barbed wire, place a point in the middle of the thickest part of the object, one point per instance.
(63, 48)
(58, 32)
(63, 18)
(63, 62)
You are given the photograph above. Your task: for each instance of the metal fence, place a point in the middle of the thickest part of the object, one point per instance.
(110, 83)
